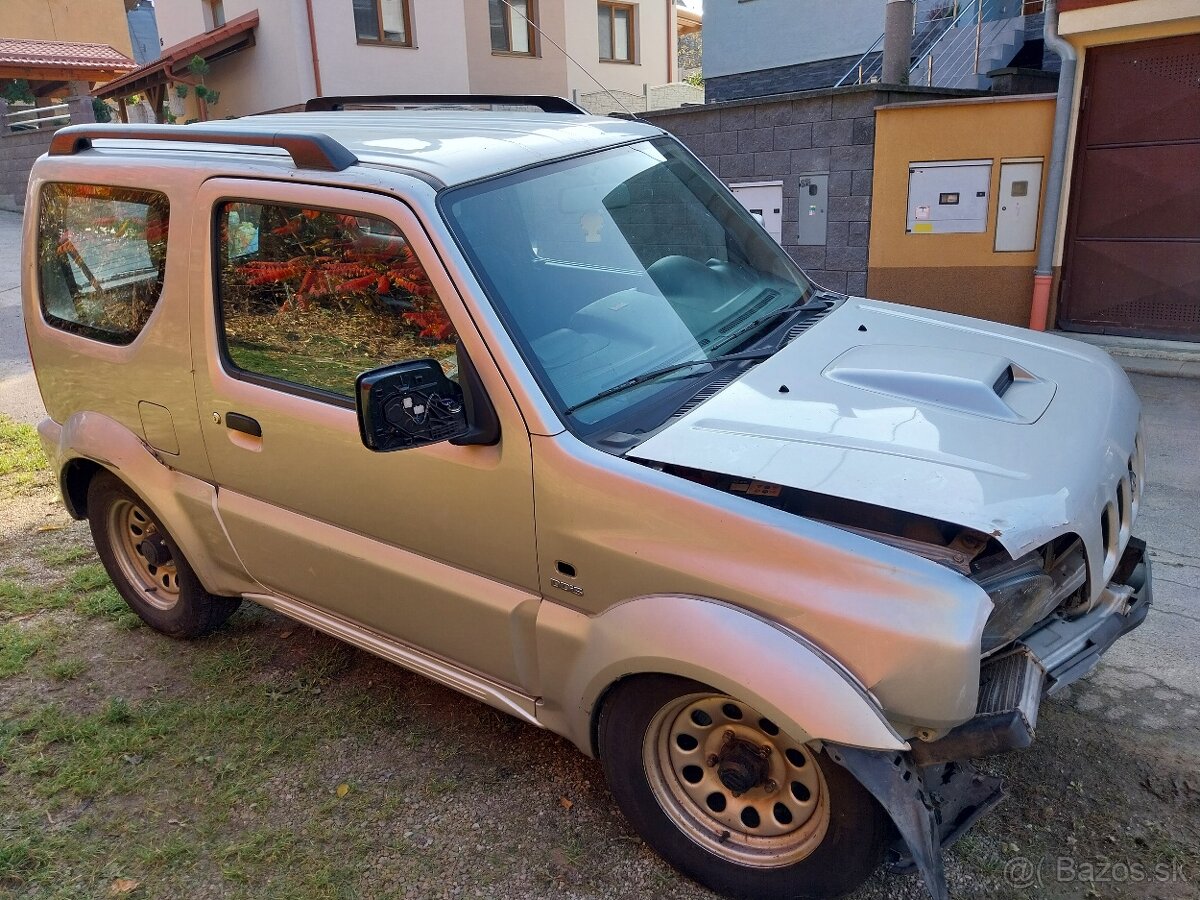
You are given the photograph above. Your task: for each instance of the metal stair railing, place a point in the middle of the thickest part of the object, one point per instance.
(958, 51)
(928, 16)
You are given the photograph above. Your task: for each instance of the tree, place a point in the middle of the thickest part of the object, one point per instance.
(16, 90)
(207, 96)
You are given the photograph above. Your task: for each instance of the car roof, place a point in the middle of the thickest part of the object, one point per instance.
(451, 146)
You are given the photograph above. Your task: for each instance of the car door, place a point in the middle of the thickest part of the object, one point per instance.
(302, 288)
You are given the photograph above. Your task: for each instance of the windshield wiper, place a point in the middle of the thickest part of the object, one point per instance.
(667, 370)
(812, 304)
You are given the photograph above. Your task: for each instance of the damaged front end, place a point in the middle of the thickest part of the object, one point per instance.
(1048, 628)
(933, 793)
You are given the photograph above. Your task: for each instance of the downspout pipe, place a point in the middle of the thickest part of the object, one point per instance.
(1043, 275)
(312, 43)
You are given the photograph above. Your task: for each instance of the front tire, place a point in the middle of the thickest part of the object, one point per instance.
(727, 798)
(146, 566)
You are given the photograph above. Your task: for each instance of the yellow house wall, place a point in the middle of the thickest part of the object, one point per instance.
(959, 273)
(90, 21)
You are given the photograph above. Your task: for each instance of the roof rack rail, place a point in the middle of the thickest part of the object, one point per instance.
(308, 151)
(545, 102)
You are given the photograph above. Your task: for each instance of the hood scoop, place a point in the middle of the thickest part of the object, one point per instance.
(978, 384)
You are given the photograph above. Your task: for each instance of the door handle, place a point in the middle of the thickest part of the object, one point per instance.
(245, 424)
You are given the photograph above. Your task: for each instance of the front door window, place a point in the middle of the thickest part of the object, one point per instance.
(311, 298)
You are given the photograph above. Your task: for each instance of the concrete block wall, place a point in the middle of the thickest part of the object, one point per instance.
(18, 150)
(785, 137)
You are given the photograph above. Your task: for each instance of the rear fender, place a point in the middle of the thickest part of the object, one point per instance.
(186, 506)
(762, 663)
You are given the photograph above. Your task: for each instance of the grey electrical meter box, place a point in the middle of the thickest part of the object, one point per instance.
(814, 210)
(948, 197)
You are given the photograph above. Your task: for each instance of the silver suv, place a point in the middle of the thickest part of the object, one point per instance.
(785, 560)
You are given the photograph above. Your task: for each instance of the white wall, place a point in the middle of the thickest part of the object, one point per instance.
(655, 20)
(437, 63)
(276, 72)
(764, 34)
(178, 20)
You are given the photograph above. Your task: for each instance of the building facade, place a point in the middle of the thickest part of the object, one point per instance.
(776, 46)
(756, 48)
(298, 49)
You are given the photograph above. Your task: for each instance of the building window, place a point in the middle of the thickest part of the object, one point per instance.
(512, 26)
(383, 22)
(216, 12)
(616, 32)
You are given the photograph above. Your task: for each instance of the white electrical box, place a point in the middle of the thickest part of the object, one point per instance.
(948, 197)
(765, 200)
(1019, 205)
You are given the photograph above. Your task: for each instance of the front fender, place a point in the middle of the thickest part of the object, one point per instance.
(186, 506)
(763, 663)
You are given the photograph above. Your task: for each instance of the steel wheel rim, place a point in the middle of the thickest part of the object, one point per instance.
(129, 525)
(790, 805)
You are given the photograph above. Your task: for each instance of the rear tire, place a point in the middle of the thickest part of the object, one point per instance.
(806, 829)
(146, 566)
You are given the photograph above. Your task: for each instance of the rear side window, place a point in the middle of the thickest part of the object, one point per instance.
(101, 258)
(315, 297)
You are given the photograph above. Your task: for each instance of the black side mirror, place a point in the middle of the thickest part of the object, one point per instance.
(412, 404)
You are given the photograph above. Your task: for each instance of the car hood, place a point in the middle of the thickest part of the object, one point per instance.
(1020, 435)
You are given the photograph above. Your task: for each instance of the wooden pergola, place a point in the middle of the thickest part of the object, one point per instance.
(55, 68)
(153, 79)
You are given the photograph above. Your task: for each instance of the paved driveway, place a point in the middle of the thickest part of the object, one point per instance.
(18, 391)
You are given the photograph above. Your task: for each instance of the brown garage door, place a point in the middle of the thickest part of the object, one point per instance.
(1132, 263)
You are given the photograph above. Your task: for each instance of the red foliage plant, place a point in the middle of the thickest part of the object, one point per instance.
(340, 259)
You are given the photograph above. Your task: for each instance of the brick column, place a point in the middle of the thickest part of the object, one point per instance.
(3, 117)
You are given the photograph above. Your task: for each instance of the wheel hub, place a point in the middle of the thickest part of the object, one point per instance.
(742, 766)
(734, 782)
(155, 550)
(142, 554)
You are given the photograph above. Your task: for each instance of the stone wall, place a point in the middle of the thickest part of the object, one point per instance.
(781, 138)
(18, 150)
(653, 96)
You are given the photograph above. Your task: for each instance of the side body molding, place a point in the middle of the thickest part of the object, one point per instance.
(766, 665)
(185, 505)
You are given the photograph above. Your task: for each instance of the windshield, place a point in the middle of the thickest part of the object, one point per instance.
(614, 265)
